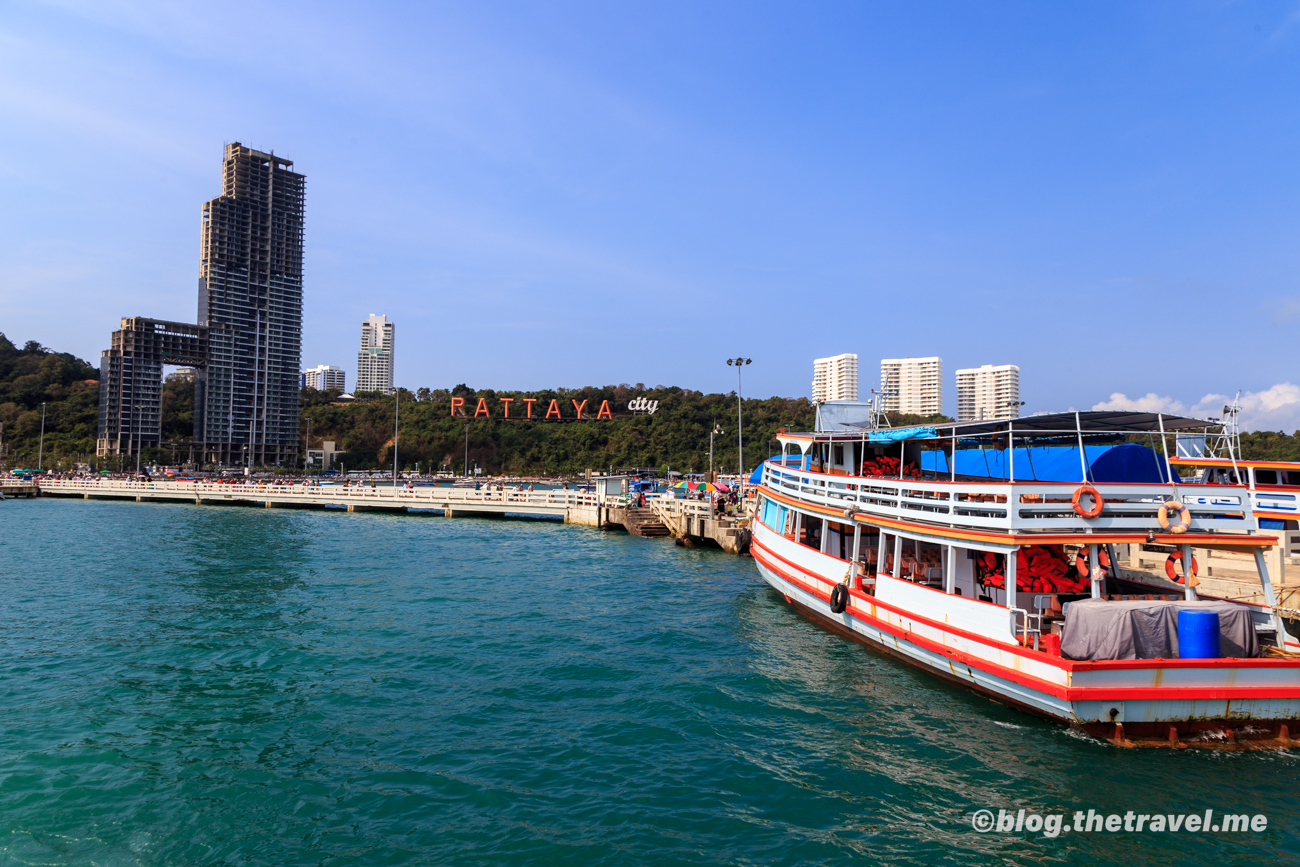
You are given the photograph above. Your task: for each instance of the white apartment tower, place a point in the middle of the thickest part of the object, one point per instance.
(989, 392)
(375, 360)
(912, 385)
(835, 378)
(324, 377)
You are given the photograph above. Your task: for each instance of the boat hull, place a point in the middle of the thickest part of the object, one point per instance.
(1233, 704)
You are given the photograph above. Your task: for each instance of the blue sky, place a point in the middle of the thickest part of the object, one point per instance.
(560, 194)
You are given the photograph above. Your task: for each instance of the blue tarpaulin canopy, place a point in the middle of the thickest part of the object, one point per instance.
(893, 435)
(1111, 464)
(757, 476)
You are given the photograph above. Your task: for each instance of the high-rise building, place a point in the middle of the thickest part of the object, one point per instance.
(835, 378)
(988, 392)
(912, 385)
(250, 300)
(130, 380)
(375, 360)
(324, 377)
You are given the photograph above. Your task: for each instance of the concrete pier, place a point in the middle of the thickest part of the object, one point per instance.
(689, 522)
(572, 507)
(18, 489)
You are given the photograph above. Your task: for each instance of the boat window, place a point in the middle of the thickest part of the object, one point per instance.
(839, 455)
(1266, 477)
(810, 532)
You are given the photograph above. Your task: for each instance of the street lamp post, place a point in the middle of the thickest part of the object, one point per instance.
(716, 430)
(306, 447)
(467, 450)
(397, 399)
(40, 455)
(738, 363)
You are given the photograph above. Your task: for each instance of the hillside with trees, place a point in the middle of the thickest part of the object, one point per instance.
(676, 435)
(69, 388)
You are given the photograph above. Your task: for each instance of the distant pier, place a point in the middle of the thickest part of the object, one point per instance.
(689, 522)
(15, 489)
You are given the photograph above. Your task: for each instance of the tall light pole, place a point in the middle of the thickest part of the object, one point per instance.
(306, 447)
(397, 399)
(738, 363)
(716, 430)
(40, 455)
(467, 450)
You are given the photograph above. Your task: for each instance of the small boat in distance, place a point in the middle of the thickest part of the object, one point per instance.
(978, 553)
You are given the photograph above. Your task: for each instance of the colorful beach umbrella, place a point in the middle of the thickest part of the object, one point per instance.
(700, 486)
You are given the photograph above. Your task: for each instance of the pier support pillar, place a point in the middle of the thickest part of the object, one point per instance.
(351, 507)
(448, 513)
(139, 499)
(85, 496)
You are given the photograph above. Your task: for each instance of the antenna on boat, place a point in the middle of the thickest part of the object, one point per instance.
(876, 416)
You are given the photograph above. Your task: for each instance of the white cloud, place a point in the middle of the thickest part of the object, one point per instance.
(1275, 408)
(1152, 402)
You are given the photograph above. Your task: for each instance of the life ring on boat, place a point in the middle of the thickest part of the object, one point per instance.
(1171, 565)
(1097, 502)
(1081, 561)
(839, 599)
(1184, 516)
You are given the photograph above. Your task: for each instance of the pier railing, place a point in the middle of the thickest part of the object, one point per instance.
(554, 501)
(1015, 507)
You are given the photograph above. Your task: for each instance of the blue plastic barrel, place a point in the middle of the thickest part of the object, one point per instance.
(1198, 634)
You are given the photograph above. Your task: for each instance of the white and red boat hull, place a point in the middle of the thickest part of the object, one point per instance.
(1227, 701)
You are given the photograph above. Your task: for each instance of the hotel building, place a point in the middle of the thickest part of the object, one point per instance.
(835, 378)
(912, 385)
(988, 392)
(375, 360)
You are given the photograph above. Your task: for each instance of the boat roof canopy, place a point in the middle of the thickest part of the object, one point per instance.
(1092, 421)
(1047, 425)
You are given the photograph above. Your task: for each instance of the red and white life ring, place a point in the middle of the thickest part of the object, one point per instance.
(1097, 502)
(1171, 564)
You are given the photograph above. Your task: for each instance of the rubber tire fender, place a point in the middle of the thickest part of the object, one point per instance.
(839, 599)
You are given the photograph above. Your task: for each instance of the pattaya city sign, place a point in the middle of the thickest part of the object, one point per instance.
(529, 409)
(643, 404)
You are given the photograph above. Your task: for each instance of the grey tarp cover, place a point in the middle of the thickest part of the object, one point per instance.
(1101, 629)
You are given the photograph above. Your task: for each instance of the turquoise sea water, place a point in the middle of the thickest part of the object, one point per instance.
(208, 685)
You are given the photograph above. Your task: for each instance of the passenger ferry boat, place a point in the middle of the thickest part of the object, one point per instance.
(956, 548)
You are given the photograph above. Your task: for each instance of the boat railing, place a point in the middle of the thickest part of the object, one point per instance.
(1013, 507)
(1024, 624)
(1275, 501)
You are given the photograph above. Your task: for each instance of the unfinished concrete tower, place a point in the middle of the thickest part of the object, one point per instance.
(250, 300)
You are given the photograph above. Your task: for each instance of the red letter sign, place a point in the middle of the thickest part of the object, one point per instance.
(604, 411)
(457, 403)
(553, 408)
